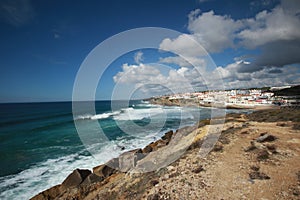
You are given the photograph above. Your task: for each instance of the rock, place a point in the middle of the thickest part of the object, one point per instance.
(203, 122)
(298, 176)
(198, 169)
(271, 148)
(262, 155)
(154, 182)
(76, 178)
(245, 132)
(108, 169)
(92, 178)
(170, 168)
(128, 159)
(258, 175)
(254, 145)
(51, 193)
(147, 149)
(218, 147)
(167, 136)
(153, 197)
(266, 138)
(254, 168)
(158, 144)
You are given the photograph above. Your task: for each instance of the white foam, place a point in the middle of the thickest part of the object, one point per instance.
(98, 116)
(138, 114)
(42, 176)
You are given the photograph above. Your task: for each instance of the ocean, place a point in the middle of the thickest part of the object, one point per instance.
(40, 145)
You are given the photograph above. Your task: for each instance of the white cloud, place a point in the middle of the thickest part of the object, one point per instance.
(138, 57)
(183, 45)
(266, 27)
(188, 62)
(153, 79)
(214, 32)
(275, 32)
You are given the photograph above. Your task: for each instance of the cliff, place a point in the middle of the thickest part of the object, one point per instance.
(255, 157)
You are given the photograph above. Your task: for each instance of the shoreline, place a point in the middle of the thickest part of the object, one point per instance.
(96, 183)
(192, 103)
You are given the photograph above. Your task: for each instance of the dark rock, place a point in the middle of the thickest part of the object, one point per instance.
(167, 136)
(251, 147)
(158, 144)
(154, 182)
(296, 191)
(92, 178)
(266, 138)
(283, 124)
(298, 176)
(76, 178)
(218, 147)
(262, 155)
(198, 169)
(254, 168)
(271, 148)
(147, 149)
(153, 197)
(258, 175)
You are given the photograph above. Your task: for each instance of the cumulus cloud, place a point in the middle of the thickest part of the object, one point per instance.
(153, 79)
(213, 31)
(138, 57)
(276, 33)
(279, 24)
(188, 62)
(234, 77)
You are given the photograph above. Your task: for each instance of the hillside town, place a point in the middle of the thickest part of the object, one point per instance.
(236, 98)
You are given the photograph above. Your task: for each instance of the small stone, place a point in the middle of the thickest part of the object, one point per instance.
(266, 138)
(262, 155)
(154, 182)
(254, 168)
(198, 169)
(258, 175)
(244, 132)
(170, 168)
(218, 147)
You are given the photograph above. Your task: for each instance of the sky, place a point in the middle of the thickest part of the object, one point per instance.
(220, 45)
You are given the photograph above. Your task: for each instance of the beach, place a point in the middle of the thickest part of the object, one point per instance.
(255, 157)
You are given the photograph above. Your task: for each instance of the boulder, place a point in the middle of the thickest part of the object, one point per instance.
(167, 136)
(128, 159)
(107, 169)
(51, 193)
(76, 178)
(92, 178)
(147, 149)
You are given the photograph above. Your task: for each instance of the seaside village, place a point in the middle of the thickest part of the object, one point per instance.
(239, 98)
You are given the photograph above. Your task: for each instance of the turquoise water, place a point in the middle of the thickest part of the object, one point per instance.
(40, 146)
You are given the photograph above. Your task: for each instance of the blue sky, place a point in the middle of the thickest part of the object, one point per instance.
(43, 44)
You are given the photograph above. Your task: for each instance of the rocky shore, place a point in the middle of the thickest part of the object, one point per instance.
(257, 156)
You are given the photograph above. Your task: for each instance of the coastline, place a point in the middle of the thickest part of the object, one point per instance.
(238, 138)
(193, 103)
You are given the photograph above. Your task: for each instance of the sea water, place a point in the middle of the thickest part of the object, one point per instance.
(40, 146)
